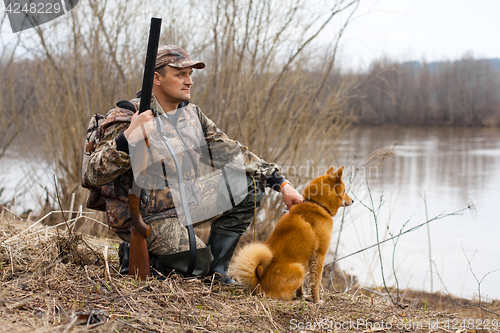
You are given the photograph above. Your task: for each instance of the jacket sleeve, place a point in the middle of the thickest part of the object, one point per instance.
(107, 161)
(222, 148)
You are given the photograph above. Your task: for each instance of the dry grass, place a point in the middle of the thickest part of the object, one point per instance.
(52, 281)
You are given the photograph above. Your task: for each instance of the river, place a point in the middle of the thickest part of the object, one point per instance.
(452, 168)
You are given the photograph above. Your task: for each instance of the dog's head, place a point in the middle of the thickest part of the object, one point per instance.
(328, 190)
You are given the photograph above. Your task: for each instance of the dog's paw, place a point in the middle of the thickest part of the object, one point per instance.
(315, 301)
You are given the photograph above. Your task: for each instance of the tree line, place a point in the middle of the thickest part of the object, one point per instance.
(465, 92)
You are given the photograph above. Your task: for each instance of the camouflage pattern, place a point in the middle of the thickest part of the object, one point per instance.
(106, 162)
(224, 148)
(174, 56)
(237, 220)
(185, 138)
(111, 168)
(168, 236)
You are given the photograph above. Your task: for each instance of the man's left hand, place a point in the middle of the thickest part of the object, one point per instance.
(291, 196)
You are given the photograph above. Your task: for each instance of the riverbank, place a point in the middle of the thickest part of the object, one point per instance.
(434, 171)
(55, 281)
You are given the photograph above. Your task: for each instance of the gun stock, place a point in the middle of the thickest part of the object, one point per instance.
(139, 256)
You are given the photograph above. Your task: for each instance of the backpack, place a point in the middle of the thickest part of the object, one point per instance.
(95, 130)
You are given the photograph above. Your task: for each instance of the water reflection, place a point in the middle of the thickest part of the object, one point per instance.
(447, 166)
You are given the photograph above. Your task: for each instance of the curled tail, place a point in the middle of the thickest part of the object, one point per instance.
(249, 264)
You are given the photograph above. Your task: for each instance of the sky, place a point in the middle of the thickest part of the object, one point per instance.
(431, 30)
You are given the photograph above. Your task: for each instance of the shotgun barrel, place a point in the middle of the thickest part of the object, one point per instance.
(139, 257)
(149, 67)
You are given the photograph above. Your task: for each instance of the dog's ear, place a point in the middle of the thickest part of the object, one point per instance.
(339, 172)
(330, 171)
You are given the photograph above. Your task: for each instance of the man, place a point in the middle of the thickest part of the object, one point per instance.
(110, 167)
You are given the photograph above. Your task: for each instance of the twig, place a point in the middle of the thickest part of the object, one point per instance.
(60, 205)
(11, 260)
(72, 204)
(16, 236)
(440, 216)
(71, 324)
(106, 263)
(394, 255)
(375, 217)
(429, 241)
(469, 261)
(457, 304)
(337, 249)
(389, 297)
(133, 326)
(268, 314)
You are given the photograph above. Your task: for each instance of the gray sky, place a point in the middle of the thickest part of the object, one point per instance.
(414, 30)
(422, 29)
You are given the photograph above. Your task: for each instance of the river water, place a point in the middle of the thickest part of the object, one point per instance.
(451, 168)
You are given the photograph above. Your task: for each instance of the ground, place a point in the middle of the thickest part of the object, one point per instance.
(54, 280)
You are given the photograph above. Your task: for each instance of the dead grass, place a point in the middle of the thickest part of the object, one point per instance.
(52, 281)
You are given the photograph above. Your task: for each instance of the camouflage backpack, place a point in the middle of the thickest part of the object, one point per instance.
(95, 131)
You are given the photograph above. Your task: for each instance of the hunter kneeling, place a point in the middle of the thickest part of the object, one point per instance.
(197, 142)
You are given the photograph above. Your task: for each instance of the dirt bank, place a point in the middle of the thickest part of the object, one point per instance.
(55, 281)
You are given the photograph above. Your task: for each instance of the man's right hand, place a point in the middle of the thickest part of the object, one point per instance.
(134, 133)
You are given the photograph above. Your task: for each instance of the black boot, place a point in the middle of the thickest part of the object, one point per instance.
(123, 254)
(222, 246)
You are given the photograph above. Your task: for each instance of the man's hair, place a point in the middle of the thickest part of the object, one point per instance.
(162, 70)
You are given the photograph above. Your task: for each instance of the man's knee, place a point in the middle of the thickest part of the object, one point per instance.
(239, 218)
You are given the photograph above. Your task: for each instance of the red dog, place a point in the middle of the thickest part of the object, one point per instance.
(298, 244)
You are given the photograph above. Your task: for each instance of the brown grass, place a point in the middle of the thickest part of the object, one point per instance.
(52, 281)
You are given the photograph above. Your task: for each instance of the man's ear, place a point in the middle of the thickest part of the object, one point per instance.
(156, 79)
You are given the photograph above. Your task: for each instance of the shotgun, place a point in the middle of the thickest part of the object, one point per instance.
(139, 257)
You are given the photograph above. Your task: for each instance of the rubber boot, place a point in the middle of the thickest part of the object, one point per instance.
(222, 246)
(123, 254)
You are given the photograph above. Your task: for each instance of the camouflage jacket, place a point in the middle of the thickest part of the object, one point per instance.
(110, 167)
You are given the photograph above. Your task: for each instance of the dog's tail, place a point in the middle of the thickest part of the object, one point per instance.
(249, 264)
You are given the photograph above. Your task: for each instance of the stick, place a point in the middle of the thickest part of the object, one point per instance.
(106, 264)
(440, 216)
(71, 205)
(60, 205)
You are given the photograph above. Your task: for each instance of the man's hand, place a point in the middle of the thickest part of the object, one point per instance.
(291, 196)
(134, 132)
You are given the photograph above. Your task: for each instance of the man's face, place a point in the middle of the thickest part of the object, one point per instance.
(175, 86)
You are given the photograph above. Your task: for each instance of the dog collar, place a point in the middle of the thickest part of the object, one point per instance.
(314, 202)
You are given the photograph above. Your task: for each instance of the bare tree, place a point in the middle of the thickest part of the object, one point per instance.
(268, 81)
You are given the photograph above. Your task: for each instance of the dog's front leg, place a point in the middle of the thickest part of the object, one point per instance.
(316, 274)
